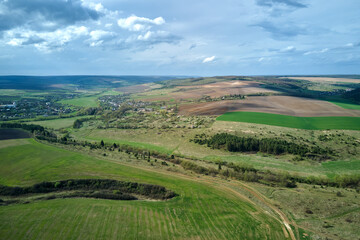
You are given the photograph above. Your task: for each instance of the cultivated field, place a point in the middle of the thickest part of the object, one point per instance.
(203, 209)
(213, 90)
(138, 88)
(326, 79)
(347, 105)
(286, 105)
(311, 123)
(167, 133)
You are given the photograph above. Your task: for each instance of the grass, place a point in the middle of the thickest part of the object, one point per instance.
(176, 141)
(136, 138)
(305, 168)
(57, 123)
(342, 213)
(82, 101)
(89, 101)
(200, 211)
(347, 105)
(11, 92)
(164, 93)
(310, 123)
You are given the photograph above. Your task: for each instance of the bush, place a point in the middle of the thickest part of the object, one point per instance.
(234, 143)
(105, 185)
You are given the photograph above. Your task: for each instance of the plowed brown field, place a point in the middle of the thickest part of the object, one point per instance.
(285, 105)
(214, 90)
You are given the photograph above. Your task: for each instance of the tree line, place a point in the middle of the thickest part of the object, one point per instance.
(225, 169)
(36, 130)
(112, 189)
(275, 146)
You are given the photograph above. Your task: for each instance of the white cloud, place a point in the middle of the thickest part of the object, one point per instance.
(56, 40)
(45, 41)
(97, 37)
(209, 59)
(100, 34)
(324, 50)
(95, 6)
(135, 23)
(288, 49)
(146, 36)
(14, 42)
(96, 44)
(264, 59)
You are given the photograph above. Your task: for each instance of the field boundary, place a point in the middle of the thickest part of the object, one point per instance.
(308, 123)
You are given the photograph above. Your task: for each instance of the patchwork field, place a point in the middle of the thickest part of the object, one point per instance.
(311, 123)
(213, 90)
(183, 136)
(326, 79)
(347, 105)
(188, 216)
(286, 105)
(138, 88)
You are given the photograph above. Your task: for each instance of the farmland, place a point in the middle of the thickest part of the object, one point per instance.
(327, 79)
(155, 133)
(82, 102)
(286, 105)
(348, 106)
(311, 123)
(57, 123)
(159, 219)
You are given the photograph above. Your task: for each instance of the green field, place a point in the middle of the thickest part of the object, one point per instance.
(82, 101)
(202, 209)
(310, 123)
(347, 105)
(177, 142)
(57, 123)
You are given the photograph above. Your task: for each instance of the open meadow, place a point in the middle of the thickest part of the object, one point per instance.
(187, 216)
(179, 120)
(57, 123)
(310, 123)
(200, 138)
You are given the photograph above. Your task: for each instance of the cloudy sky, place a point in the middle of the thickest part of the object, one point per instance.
(187, 37)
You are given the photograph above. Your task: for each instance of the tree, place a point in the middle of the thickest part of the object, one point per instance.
(102, 143)
(77, 123)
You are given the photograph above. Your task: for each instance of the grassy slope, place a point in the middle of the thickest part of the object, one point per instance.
(82, 101)
(347, 105)
(311, 123)
(201, 210)
(57, 123)
(88, 101)
(177, 141)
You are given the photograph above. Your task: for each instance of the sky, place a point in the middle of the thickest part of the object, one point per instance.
(187, 37)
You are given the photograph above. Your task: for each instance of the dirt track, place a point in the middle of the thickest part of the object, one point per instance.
(293, 106)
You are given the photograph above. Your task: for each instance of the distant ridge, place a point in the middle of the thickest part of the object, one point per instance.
(78, 81)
